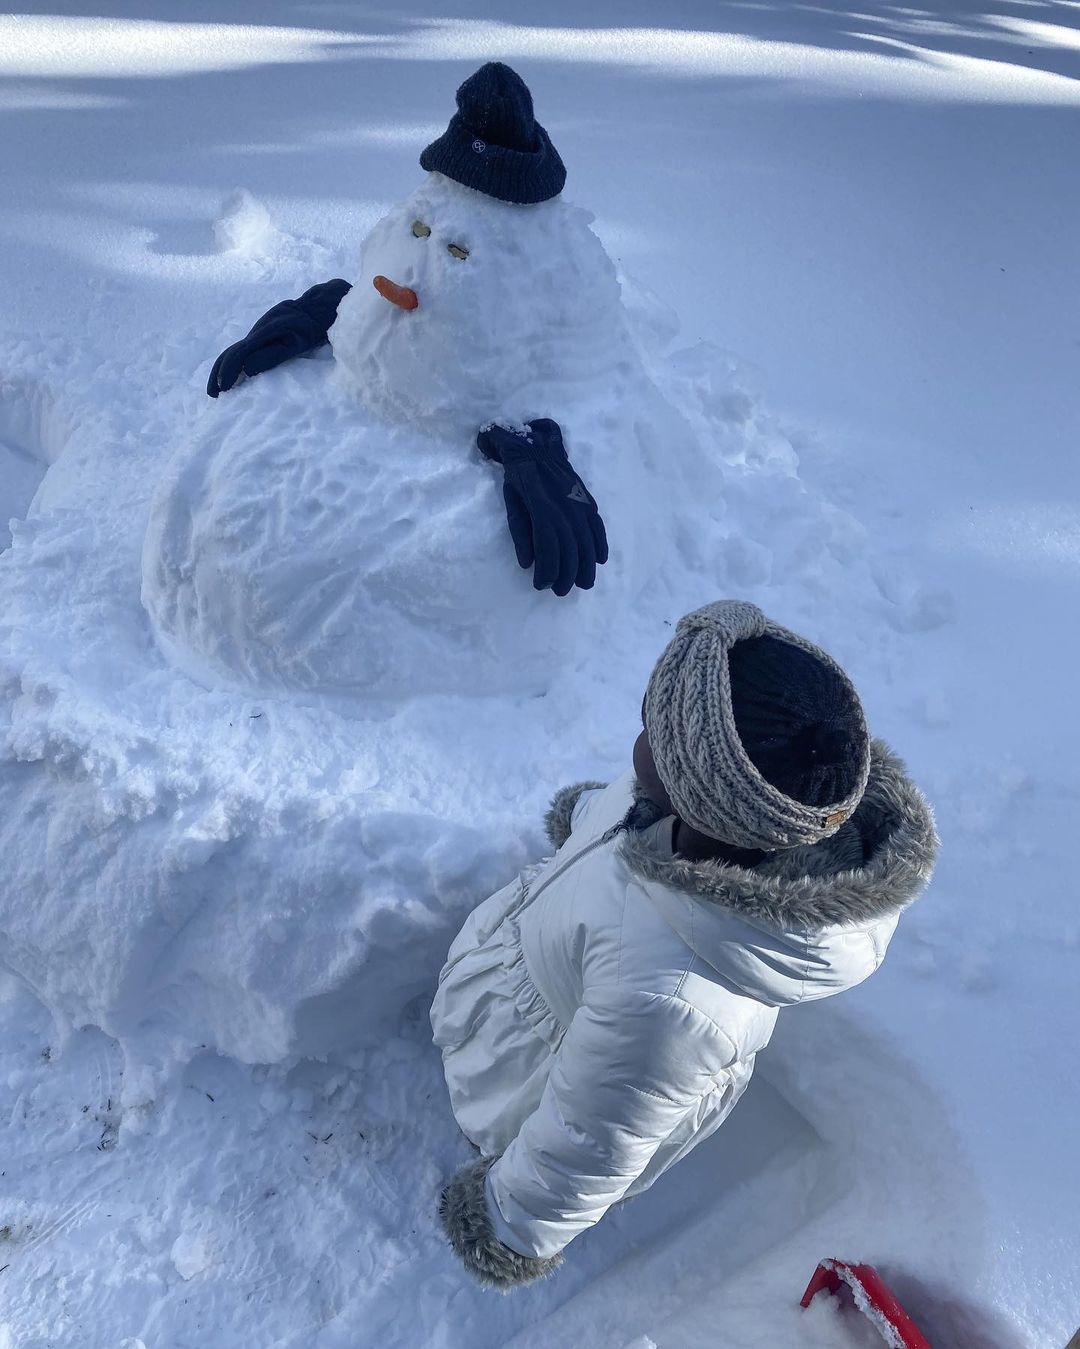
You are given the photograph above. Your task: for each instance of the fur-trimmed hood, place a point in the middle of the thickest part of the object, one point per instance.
(877, 863)
(819, 911)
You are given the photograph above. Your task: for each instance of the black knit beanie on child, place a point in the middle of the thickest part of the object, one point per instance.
(796, 719)
(757, 734)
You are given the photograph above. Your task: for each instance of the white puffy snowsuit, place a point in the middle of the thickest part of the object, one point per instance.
(600, 1016)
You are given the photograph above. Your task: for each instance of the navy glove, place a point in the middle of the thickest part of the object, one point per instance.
(553, 519)
(290, 329)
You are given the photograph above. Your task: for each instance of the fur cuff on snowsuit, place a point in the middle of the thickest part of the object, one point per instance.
(557, 819)
(463, 1212)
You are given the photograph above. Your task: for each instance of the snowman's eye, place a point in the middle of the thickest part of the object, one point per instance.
(457, 251)
(420, 229)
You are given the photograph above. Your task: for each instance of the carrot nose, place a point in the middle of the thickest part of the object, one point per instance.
(402, 296)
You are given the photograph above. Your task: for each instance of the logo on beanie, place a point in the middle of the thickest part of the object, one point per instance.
(479, 146)
(836, 819)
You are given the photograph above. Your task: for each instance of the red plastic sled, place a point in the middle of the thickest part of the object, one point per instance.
(873, 1298)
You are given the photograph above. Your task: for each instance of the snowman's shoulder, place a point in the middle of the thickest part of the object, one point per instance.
(296, 403)
(305, 383)
(279, 431)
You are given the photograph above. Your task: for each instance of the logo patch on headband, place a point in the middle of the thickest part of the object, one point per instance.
(836, 819)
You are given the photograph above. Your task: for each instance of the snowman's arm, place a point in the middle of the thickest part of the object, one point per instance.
(291, 328)
(552, 516)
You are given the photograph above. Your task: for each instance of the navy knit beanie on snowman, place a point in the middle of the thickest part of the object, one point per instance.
(494, 144)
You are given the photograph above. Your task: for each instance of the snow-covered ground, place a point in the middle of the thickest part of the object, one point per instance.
(874, 210)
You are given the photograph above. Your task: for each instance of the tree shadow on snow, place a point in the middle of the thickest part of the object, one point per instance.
(333, 104)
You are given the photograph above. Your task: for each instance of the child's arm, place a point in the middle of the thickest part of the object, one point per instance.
(629, 1069)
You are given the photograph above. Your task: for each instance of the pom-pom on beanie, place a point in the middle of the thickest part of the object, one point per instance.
(494, 143)
(757, 734)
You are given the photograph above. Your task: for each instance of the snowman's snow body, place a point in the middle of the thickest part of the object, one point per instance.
(286, 560)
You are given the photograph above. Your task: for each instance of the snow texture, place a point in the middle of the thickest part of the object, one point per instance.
(277, 706)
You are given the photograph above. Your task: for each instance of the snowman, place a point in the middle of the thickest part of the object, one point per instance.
(336, 517)
(277, 701)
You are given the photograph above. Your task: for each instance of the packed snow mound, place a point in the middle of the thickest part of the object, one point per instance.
(221, 917)
(33, 432)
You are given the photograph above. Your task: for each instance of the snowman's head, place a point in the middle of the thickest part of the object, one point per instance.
(469, 309)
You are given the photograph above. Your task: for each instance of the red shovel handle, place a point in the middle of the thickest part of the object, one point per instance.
(874, 1299)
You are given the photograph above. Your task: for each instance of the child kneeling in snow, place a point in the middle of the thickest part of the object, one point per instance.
(600, 1016)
